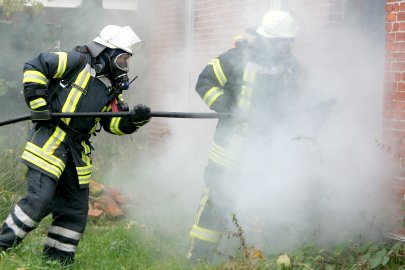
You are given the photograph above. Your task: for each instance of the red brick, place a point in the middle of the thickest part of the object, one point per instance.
(389, 46)
(399, 36)
(402, 6)
(401, 86)
(392, 7)
(399, 56)
(391, 17)
(390, 37)
(401, 16)
(388, 27)
(398, 66)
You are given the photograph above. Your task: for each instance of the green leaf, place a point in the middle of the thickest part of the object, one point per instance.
(385, 260)
(374, 262)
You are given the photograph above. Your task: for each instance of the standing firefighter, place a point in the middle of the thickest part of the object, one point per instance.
(252, 82)
(58, 152)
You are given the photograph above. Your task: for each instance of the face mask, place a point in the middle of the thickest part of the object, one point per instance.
(277, 49)
(119, 68)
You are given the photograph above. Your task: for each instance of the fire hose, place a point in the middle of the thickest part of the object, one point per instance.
(323, 107)
(113, 114)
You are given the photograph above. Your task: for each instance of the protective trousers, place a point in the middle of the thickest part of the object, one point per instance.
(68, 205)
(210, 220)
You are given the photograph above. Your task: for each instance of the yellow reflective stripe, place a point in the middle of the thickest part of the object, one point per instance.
(93, 129)
(61, 65)
(83, 170)
(38, 102)
(45, 155)
(75, 94)
(85, 147)
(221, 156)
(57, 137)
(84, 174)
(203, 203)
(141, 123)
(33, 76)
(205, 234)
(249, 77)
(219, 73)
(114, 126)
(245, 99)
(85, 153)
(212, 95)
(41, 164)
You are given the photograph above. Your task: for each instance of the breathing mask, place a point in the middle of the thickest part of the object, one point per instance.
(277, 48)
(114, 63)
(119, 62)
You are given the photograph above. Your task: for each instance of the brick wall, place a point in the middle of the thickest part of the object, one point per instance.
(394, 93)
(183, 37)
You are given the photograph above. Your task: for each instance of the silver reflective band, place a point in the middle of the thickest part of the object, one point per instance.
(17, 231)
(24, 218)
(65, 232)
(61, 246)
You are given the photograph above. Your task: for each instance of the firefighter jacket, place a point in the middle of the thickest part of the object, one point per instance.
(247, 83)
(67, 82)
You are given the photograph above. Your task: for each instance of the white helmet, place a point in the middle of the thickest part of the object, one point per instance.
(114, 36)
(277, 24)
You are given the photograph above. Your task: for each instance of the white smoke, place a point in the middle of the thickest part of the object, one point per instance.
(318, 176)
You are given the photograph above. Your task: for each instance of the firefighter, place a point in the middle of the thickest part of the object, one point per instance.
(89, 78)
(254, 79)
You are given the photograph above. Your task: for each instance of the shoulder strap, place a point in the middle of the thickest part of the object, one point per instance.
(64, 84)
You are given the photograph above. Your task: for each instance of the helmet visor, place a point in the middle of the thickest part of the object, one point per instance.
(121, 61)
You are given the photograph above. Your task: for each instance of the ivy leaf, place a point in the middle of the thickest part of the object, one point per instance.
(374, 262)
(385, 260)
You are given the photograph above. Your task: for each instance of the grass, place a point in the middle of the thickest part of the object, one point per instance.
(126, 244)
(106, 245)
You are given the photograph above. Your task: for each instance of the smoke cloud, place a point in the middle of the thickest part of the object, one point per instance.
(317, 176)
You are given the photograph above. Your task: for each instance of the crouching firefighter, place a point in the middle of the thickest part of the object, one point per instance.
(250, 82)
(89, 78)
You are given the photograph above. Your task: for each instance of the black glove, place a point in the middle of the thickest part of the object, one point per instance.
(42, 115)
(140, 115)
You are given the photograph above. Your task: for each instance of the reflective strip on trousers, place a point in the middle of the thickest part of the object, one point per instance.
(17, 231)
(222, 156)
(200, 232)
(205, 234)
(59, 245)
(65, 232)
(23, 217)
